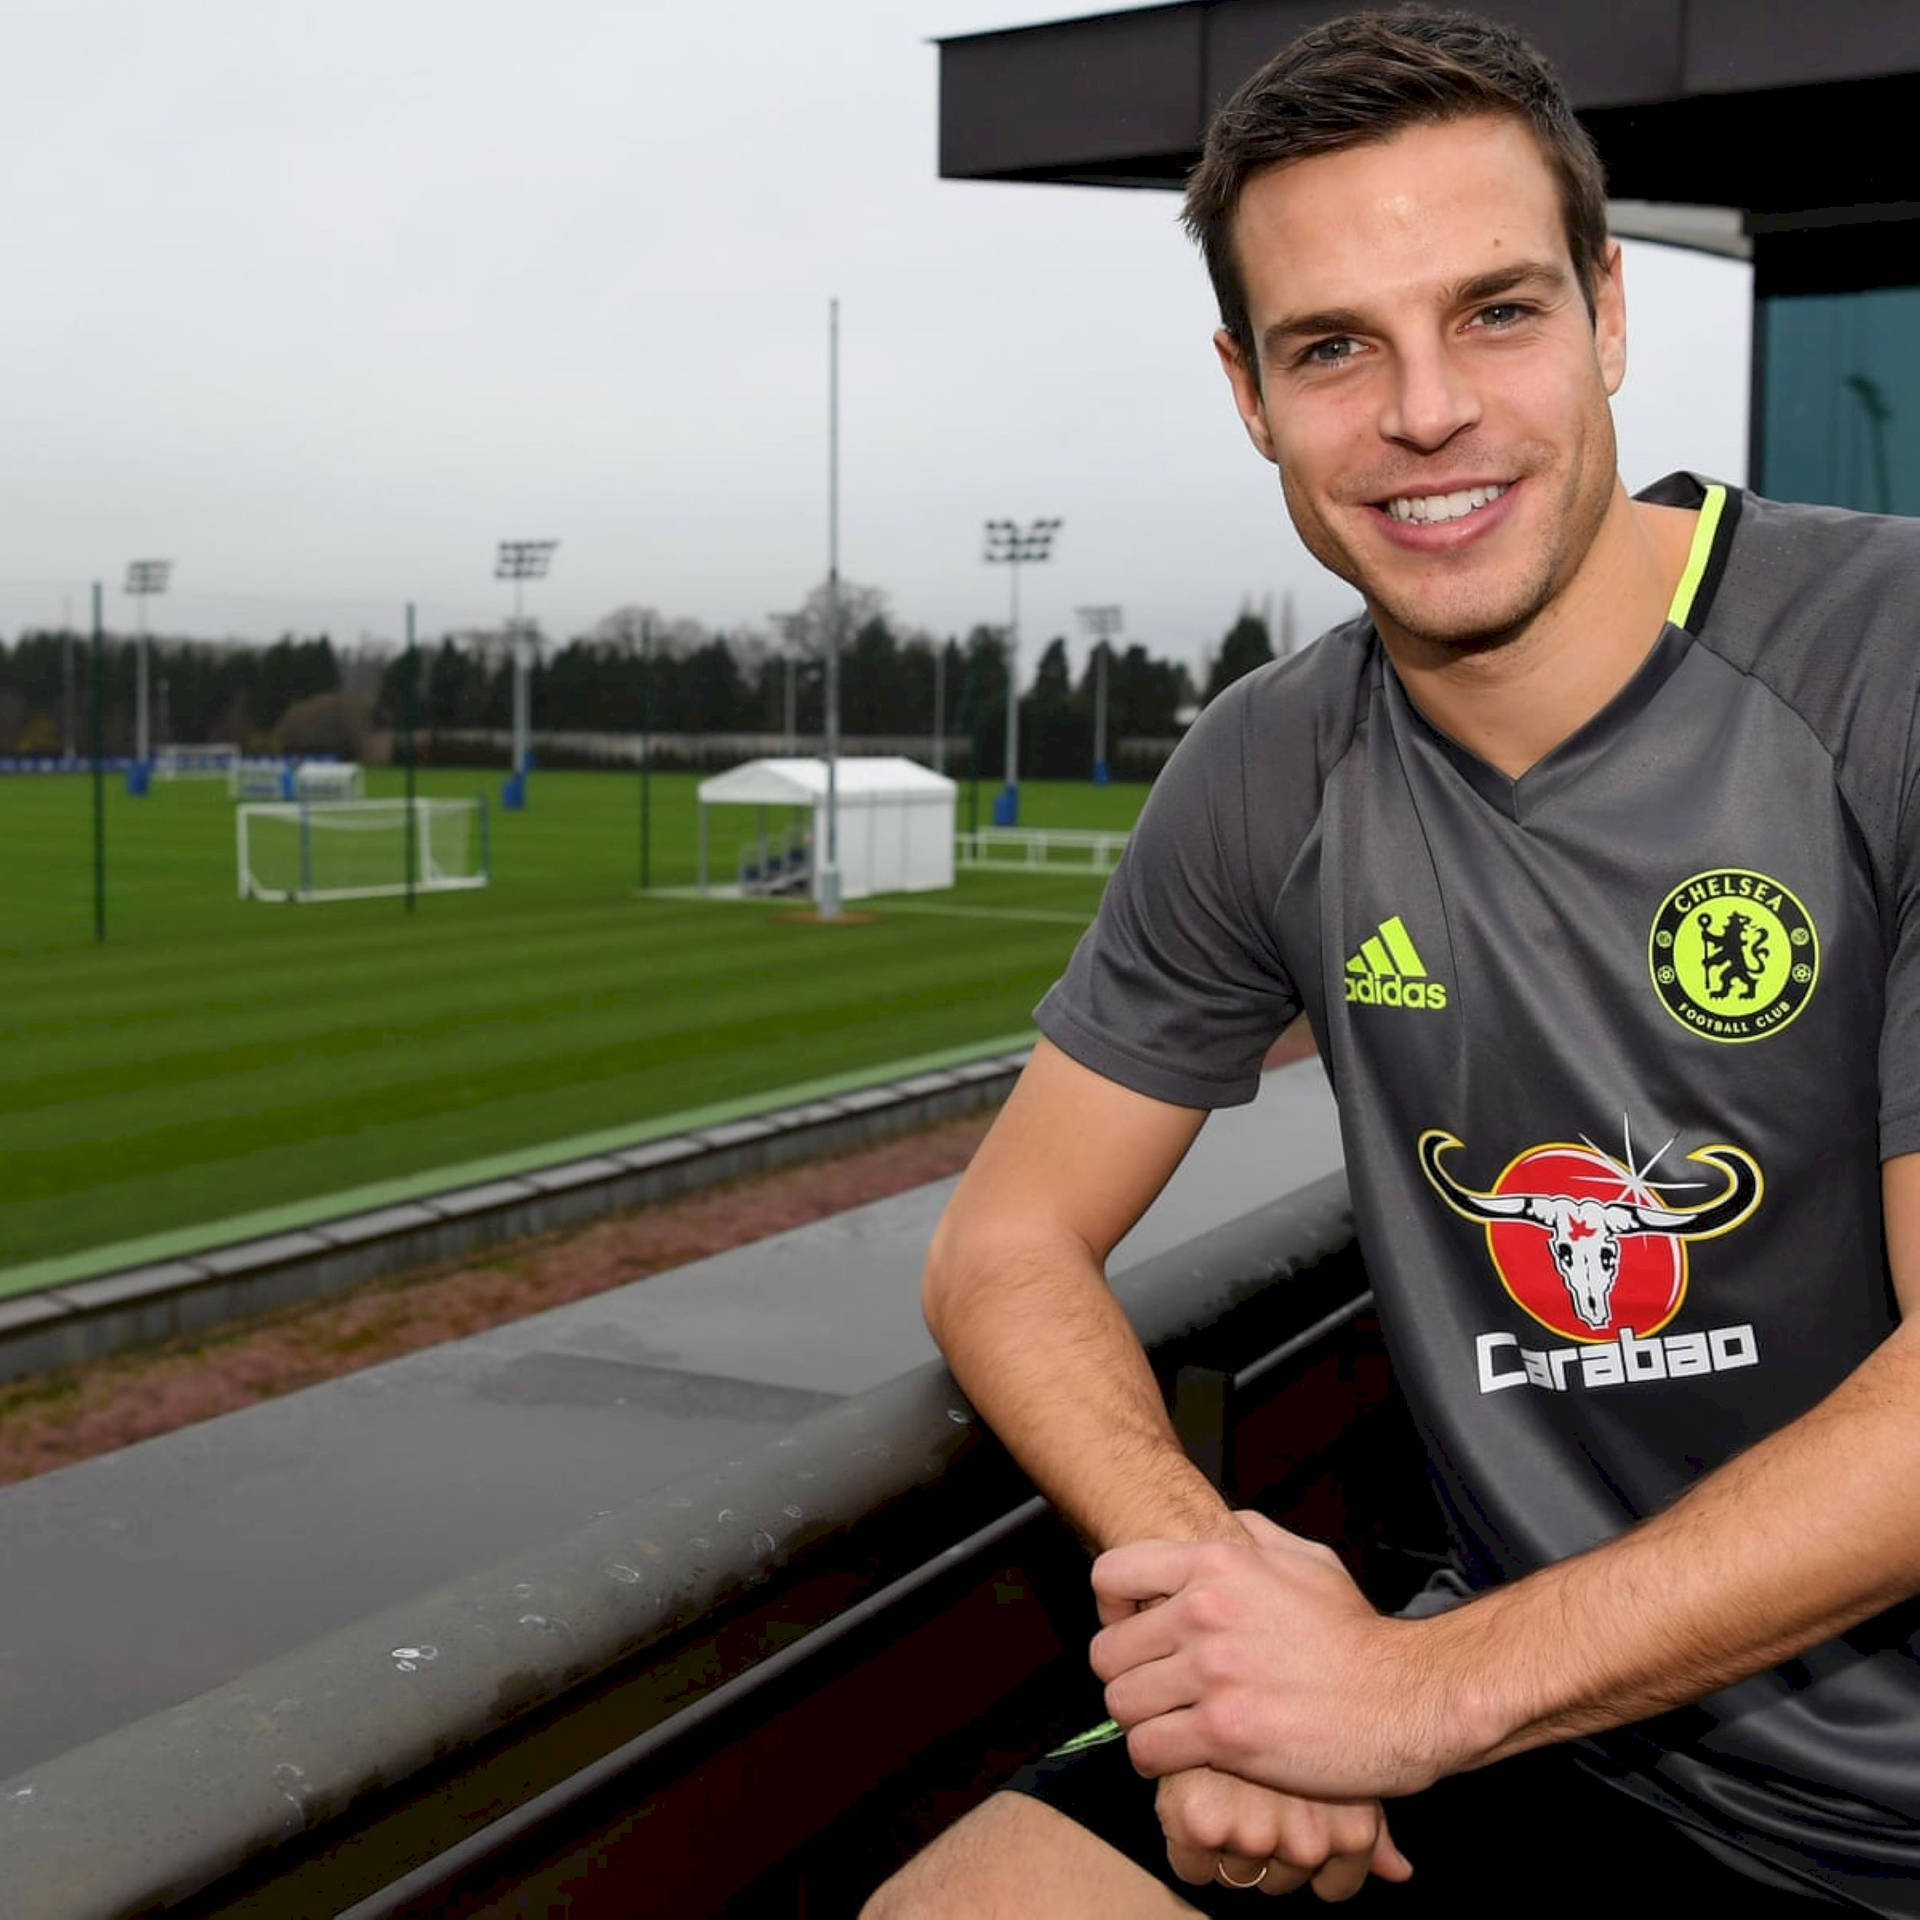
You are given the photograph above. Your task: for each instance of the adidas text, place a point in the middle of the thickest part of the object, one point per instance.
(1369, 991)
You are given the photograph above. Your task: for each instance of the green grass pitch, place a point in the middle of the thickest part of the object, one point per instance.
(219, 1058)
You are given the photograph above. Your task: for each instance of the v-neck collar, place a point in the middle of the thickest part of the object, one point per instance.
(1719, 509)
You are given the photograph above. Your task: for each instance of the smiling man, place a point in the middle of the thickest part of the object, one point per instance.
(1590, 852)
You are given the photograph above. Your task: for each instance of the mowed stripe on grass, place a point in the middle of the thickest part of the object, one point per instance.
(220, 1057)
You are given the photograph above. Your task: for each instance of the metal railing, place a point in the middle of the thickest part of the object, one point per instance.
(1039, 849)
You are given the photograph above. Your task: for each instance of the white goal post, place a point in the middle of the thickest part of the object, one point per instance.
(360, 849)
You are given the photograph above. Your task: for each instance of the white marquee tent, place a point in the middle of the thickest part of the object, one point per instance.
(895, 818)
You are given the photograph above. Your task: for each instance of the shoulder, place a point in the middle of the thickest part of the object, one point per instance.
(1822, 606)
(1800, 578)
(1245, 784)
(1292, 719)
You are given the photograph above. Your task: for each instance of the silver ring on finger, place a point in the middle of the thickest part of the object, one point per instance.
(1239, 1886)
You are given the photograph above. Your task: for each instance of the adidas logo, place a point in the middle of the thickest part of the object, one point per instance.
(1388, 972)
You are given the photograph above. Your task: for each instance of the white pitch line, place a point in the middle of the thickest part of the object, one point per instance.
(986, 913)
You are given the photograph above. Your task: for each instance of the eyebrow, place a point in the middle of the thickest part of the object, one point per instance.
(1466, 293)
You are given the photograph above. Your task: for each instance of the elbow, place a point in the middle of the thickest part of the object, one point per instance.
(940, 1284)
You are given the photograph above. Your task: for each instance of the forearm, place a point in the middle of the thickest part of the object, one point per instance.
(1035, 1337)
(1805, 1534)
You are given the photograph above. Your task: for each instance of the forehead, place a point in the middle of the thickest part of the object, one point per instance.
(1393, 218)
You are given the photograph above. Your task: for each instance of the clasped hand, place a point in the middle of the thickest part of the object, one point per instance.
(1265, 1661)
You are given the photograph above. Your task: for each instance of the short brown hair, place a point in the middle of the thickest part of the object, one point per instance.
(1367, 77)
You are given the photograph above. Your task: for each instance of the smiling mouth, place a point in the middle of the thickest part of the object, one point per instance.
(1435, 509)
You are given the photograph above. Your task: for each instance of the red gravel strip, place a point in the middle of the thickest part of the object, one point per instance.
(54, 1419)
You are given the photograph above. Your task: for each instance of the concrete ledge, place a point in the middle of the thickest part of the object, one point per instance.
(90, 1319)
(367, 1750)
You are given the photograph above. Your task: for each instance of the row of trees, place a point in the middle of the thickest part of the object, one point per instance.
(198, 691)
(632, 669)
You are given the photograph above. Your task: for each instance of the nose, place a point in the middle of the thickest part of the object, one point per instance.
(1429, 401)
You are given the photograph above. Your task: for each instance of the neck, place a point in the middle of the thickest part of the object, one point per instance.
(1514, 702)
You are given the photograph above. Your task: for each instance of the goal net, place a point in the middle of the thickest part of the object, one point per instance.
(256, 779)
(360, 849)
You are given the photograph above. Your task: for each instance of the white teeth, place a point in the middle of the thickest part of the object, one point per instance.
(1428, 509)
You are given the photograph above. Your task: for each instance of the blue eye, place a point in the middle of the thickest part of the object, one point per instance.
(1330, 353)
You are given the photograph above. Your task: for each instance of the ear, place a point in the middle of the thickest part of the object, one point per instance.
(1610, 319)
(1246, 394)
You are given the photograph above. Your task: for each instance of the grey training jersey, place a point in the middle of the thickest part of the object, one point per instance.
(1618, 1048)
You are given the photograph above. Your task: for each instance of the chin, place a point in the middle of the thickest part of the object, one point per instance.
(1463, 623)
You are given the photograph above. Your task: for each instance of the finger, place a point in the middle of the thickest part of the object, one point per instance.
(1144, 1569)
(1132, 1641)
(1192, 1864)
(1388, 1862)
(1283, 1877)
(1144, 1693)
(1342, 1877)
(1244, 1867)
(1171, 1743)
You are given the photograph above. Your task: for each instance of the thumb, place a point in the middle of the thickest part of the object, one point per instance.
(1263, 1532)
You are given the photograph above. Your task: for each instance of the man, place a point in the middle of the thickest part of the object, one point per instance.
(1591, 854)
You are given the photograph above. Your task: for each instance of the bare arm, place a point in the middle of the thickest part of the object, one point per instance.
(1016, 1295)
(1805, 1534)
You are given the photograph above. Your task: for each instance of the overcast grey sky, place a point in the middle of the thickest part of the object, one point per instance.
(320, 301)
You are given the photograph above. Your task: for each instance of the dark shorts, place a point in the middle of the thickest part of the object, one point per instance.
(1534, 1831)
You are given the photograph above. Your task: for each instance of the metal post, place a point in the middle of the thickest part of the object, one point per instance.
(646, 752)
(144, 577)
(939, 709)
(1015, 548)
(142, 726)
(1013, 693)
(521, 561)
(827, 881)
(1100, 715)
(409, 720)
(98, 723)
(1103, 623)
(69, 732)
(522, 706)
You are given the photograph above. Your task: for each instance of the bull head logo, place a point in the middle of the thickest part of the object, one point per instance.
(1584, 1235)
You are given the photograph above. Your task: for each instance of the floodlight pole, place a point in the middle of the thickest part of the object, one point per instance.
(97, 727)
(521, 561)
(409, 721)
(646, 752)
(144, 577)
(827, 880)
(1103, 623)
(1015, 547)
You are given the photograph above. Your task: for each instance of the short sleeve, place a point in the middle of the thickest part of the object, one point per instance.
(1900, 1023)
(1177, 989)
